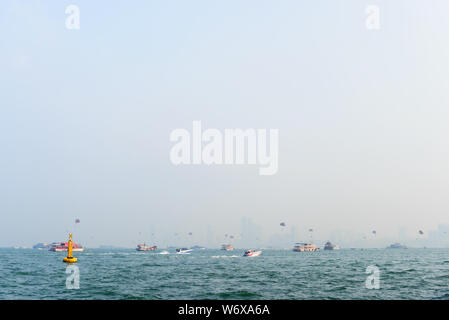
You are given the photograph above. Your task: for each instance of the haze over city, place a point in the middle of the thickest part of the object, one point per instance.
(86, 117)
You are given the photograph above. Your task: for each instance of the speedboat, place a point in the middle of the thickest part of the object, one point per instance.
(183, 251)
(252, 253)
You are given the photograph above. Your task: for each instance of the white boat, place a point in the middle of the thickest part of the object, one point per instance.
(164, 252)
(183, 251)
(305, 247)
(252, 253)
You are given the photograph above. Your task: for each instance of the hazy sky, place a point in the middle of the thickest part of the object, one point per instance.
(86, 115)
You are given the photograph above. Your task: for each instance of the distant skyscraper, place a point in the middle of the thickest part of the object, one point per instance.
(251, 235)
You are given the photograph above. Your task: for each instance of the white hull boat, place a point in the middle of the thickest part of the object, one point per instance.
(252, 253)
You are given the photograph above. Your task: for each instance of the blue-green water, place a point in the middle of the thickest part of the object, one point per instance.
(216, 274)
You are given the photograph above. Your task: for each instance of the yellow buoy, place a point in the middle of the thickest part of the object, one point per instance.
(70, 258)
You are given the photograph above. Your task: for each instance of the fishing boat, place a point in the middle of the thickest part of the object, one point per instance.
(183, 251)
(305, 247)
(143, 247)
(64, 246)
(227, 247)
(329, 246)
(252, 253)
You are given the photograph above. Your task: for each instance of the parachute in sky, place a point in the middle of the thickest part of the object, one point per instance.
(310, 230)
(190, 233)
(77, 220)
(420, 232)
(374, 232)
(232, 237)
(282, 224)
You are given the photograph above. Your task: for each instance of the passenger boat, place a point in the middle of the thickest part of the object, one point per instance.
(183, 251)
(252, 253)
(143, 247)
(227, 247)
(64, 246)
(305, 247)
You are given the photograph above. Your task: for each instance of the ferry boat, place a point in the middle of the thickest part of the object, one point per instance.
(227, 247)
(64, 246)
(143, 247)
(183, 251)
(329, 246)
(305, 247)
(252, 253)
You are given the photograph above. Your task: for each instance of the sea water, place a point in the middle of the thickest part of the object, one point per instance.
(217, 274)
